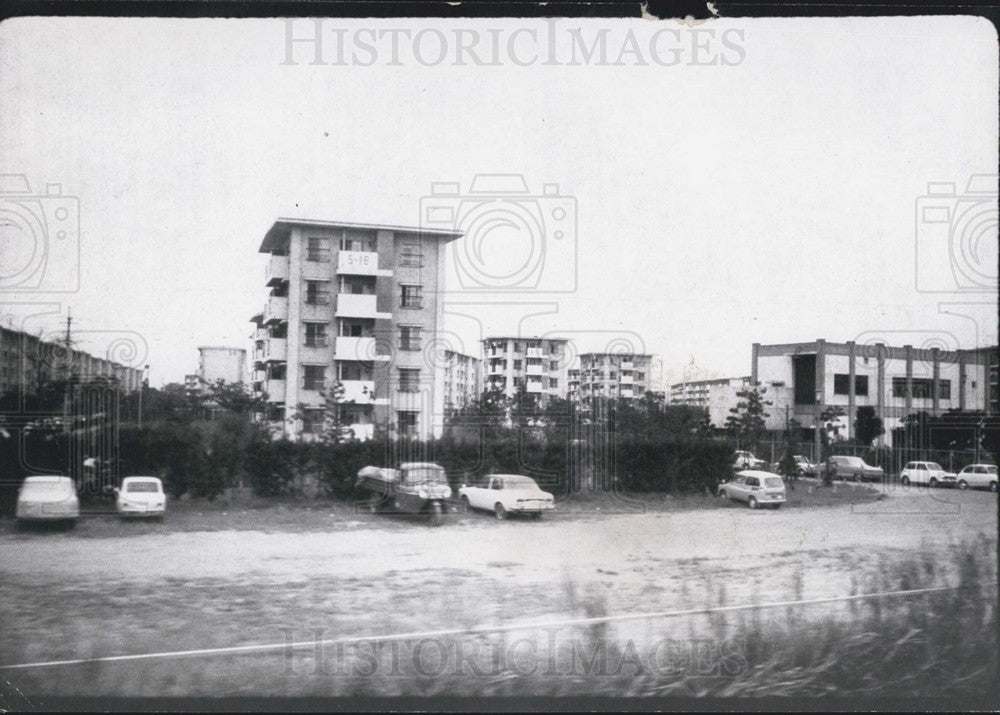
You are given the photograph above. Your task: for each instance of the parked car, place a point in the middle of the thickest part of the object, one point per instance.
(414, 488)
(929, 473)
(48, 498)
(746, 460)
(802, 466)
(141, 496)
(506, 494)
(978, 476)
(853, 468)
(756, 488)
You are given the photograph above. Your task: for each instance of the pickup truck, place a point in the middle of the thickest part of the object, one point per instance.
(413, 488)
(505, 494)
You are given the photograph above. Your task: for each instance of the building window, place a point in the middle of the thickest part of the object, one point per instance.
(411, 255)
(318, 249)
(517, 365)
(355, 285)
(317, 292)
(922, 388)
(355, 327)
(355, 243)
(407, 422)
(554, 365)
(409, 337)
(315, 335)
(841, 383)
(313, 377)
(411, 297)
(409, 379)
(352, 370)
(312, 421)
(553, 382)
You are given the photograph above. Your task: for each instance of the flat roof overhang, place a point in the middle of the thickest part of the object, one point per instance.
(280, 229)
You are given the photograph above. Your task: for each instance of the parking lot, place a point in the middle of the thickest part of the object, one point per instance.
(138, 587)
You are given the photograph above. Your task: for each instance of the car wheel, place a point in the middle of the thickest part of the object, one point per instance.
(721, 492)
(374, 501)
(962, 484)
(776, 506)
(500, 511)
(933, 483)
(857, 478)
(905, 481)
(993, 486)
(752, 503)
(437, 515)
(465, 504)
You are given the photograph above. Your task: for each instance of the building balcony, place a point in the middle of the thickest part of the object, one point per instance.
(535, 387)
(276, 350)
(627, 380)
(534, 370)
(347, 348)
(275, 390)
(534, 353)
(627, 365)
(497, 368)
(276, 271)
(276, 310)
(363, 431)
(352, 305)
(359, 391)
(358, 263)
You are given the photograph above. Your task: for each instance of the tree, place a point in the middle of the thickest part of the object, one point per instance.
(336, 428)
(235, 398)
(746, 419)
(868, 425)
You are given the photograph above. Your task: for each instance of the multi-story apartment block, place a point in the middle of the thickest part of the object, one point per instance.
(536, 364)
(896, 381)
(27, 360)
(462, 379)
(615, 375)
(221, 363)
(355, 304)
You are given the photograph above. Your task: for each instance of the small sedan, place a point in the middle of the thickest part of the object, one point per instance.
(802, 466)
(978, 476)
(756, 488)
(506, 494)
(141, 496)
(855, 468)
(48, 498)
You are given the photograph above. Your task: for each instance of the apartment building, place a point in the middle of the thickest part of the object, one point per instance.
(358, 304)
(462, 379)
(616, 375)
(536, 364)
(27, 360)
(896, 381)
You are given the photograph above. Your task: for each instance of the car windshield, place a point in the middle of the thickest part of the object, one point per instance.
(519, 483)
(426, 475)
(151, 487)
(773, 482)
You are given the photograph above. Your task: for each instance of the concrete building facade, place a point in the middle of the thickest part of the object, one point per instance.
(462, 379)
(359, 304)
(27, 359)
(896, 381)
(614, 375)
(537, 364)
(720, 395)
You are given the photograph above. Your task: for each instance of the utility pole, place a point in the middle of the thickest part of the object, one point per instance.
(67, 376)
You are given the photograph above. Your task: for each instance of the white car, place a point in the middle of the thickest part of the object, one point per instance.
(930, 473)
(978, 476)
(505, 494)
(141, 496)
(48, 498)
(756, 488)
(747, 460)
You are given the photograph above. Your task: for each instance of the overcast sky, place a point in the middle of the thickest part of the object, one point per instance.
(763, 188)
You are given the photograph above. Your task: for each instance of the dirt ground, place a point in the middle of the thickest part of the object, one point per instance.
(112, 588)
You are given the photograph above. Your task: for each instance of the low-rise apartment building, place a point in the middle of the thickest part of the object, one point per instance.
(27, 360)
(896, 381)
(536, 364)
(220, 363)
(358, 304)
(615, 375)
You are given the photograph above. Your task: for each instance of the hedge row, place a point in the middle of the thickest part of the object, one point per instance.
(204, 459)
